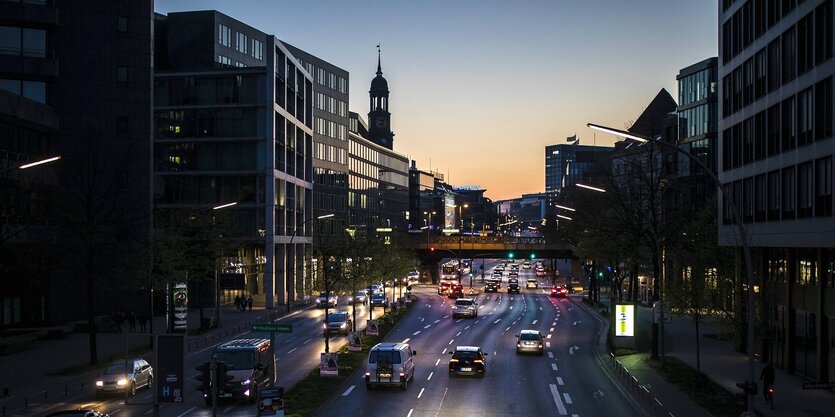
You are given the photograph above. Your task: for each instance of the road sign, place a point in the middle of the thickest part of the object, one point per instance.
(272, 327)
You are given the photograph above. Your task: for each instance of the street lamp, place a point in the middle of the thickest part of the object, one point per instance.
(460, 237)
(293, 236)
(31, 164)
(429, 226)
(742, 234)
(217, 277)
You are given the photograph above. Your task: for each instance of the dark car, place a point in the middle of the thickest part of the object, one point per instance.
(77, 413)
(513, 285)
(456, 291)
(379, 300)
(337, 323)
(491, 286)
(467, 360)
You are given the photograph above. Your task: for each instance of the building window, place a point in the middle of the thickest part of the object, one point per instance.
(789, 196)
(224, 35)
(748, 200)
(773, 74)
(806, 268)
(241, 43)
(804, 43)
(22, 41)
(787, 135)
(805, 117)
(122, 74)
(774, 195)
(823, 32)
(760, 198)
(789, 52)
(121, 124)
(823, 187)
(823, 109)
(257, 49)
(805, 190)
(121, 24)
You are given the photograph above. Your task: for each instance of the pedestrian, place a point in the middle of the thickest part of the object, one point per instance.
(238, 302)
(767, 375)
(117, 320)
(143, 320)
(249, 302)
(132, 321)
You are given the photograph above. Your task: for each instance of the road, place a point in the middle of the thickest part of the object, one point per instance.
(566, 380)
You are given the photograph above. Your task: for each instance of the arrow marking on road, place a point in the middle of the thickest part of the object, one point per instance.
(348, 391)
(558, 400)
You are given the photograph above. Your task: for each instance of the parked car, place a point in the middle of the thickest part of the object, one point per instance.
(467, 360)
(337, 323)
(325, 299)
(125, 375)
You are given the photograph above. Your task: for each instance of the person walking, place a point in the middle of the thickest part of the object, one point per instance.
(238, 302)
(132, 321)
(249, 302)
(118, 320)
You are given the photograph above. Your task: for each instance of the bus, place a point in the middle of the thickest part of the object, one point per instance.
(449, 271)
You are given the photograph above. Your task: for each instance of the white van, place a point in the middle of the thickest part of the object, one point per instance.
(390, 364)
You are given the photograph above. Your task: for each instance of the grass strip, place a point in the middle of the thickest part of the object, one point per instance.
(702, 390)
(314, 390)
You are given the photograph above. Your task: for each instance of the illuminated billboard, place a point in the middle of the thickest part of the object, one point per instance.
(624, 320)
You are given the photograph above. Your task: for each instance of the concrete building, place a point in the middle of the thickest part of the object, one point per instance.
(233, 121)
(95, 112)
(776, 148)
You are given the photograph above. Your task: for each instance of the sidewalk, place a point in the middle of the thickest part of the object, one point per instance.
(34, 376)
(720, 362)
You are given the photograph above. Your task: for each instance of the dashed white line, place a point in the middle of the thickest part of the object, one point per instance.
(447, 316)
(450, 342)
(421, 392)
(540, 308)
(511, 307)
(567, 398)
(416, 333)
(427, 326)
(187, 411)
(406, 340)
(550, 355)
(348, 391)
(291, 350)
(458, 321)
(549, 336)
(558, 400)
(559, 380)
(410, 412)
(458, 334)
(534, 322)
(467, 327)
(547, 344)
(430, 374)
(508, 328)
(307, 340)
(554, 366)
(438, 361)
(443, 352)
(497, 320)
(437, 321)
(552, 329)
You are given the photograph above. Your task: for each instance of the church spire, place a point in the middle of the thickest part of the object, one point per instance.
(379, 70)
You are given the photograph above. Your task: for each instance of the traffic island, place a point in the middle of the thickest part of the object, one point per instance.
(313, 390)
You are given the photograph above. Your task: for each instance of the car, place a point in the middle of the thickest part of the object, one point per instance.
(526, 265)
(125, 375)
(498, 268)
(86, 412)
(468, 360)
(375, 288)
(513, 274)
(531, 283)
(514, 267)
(496, 276)
(413, 276)
(390, 364)
(250, 365)
(559, 291)
(540, 271)
(456, 291)
(464, 307)
(529, 341)
(491, 286)
(326, 300)
(379, 300)
(513, 285)
(360, 297)
(337, 323)
(443, 287)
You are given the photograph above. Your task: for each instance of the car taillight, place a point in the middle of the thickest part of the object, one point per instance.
(540, 345)
(771, 390)
(402, 374)
(367, 373)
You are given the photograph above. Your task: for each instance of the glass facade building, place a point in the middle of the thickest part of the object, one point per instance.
(238, 130)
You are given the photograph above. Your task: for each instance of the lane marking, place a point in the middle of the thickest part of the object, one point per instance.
(549, 336)
(468, 327)
(187, 411)
(554, 366)
(447, 316)
(307, 341)
(511, 307)
(540, 308)
(458, 334)
(567, 398)
(443, 352)
(430, 374)
(508, 328)
(291, 350)
(558, 400)
(547, 344)
(497, 320)
(550, 355)
(458, 321)
(415, 333)
(534, 322)
(410, 412)
(421, 392)
(348, 391)
(559, 380)
(427, 326)
(438, 321)
(552, 329)
(437, 362)
(450, 342)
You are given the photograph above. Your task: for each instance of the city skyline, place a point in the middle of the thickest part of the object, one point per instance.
(500, 62)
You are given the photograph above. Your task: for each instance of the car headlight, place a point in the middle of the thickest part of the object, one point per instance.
(350, 299)
(245, 382)
(122, 381)
(318, 301)
(343, 325)
(99, 383)
(324, 325)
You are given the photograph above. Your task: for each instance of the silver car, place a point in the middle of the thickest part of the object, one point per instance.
(465, 307)
(121, 376)
(529, 341)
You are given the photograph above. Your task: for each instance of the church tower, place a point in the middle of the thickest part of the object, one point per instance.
(379, 118)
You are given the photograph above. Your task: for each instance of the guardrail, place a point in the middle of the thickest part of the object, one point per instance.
(641, 391)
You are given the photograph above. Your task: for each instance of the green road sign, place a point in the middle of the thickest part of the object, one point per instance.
(272, 327)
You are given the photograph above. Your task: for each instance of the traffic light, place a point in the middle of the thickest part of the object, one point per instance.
(204, 376)
(223, 378)
(432, 249)
(510, 255)
(533, 255)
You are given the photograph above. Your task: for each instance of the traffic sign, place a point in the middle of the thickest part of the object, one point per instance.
(272, 327)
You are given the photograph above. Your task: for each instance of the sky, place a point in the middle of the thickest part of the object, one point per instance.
(480, 87)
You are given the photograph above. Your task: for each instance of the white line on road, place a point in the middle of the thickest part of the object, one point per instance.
(550, 355)
(406, 340)
(511, 307)
(534, 322)
(421, 392)
(540, 308)
(450, 342)
(559, 380)
(348, 391)
(557, 400)
(458, 321)
(410, 412)
(442, 402)
(567, 398)
(497, 320)
(447, 316)
(430, 374)
(437, 321)
(307, 340)
(508, 328)
(554, 366)
(416, 333)
(443, 352)
(427, 326)
(547, 344)
(467, 327)
(438, 361)
(458, 334)
(291, 350)
(187, 411)
(552, 329)
(549, 336)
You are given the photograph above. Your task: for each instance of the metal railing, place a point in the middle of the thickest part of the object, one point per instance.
(640, 391)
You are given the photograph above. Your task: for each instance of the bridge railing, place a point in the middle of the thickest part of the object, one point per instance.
(489, 239)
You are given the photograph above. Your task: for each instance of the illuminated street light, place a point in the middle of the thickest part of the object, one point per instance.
(589, 187)
(564, 217)
(222, 206)
(564, 207)
(31, 164)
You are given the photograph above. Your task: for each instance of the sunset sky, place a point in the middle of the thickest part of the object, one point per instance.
(479, 88)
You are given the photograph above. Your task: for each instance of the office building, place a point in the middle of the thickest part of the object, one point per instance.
(776, 148)
(233, 118)
(95, 113)
(421, 197)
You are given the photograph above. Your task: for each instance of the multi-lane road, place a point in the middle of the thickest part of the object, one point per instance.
(566, 380)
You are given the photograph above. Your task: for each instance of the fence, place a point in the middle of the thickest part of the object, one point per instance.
(638, 390)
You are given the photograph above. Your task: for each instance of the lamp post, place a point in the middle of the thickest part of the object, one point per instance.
(293, 236)
(460, 237)
(429, 226)
(743, 238)
(217, 277)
